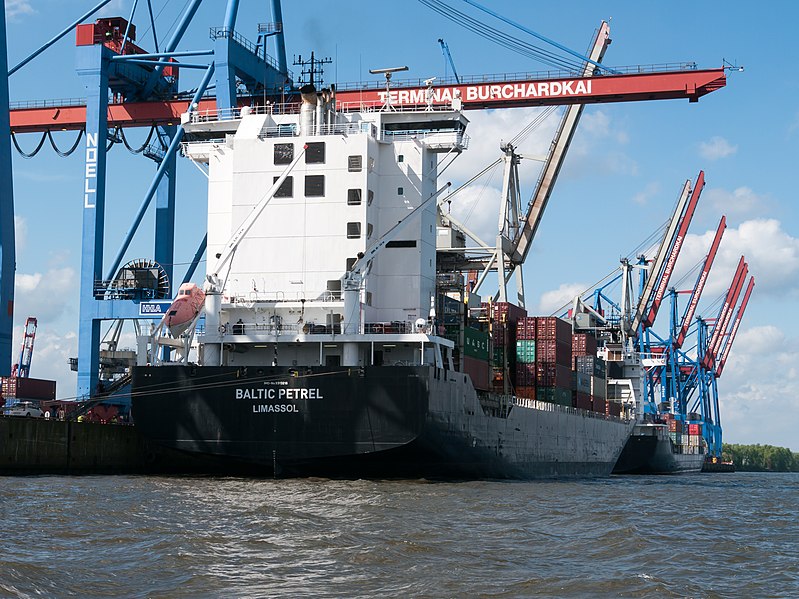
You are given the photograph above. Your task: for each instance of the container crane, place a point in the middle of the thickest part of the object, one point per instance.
(7, 241)
(725, 314)
(448, 57)
(693, 301)
(143, 90)
(731, 336)
(22, 369)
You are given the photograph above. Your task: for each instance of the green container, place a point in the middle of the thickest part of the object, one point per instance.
(475, 343)
(556, 395)
(525, 351)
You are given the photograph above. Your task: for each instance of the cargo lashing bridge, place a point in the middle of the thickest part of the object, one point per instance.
(144, 92)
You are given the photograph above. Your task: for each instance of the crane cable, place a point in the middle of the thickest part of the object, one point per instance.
(501, 38)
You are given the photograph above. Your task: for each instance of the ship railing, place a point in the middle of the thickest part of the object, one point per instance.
(431, 139)
(291, 130)
(281, 296)
(258, 50)
(388, 328)
(534, 404)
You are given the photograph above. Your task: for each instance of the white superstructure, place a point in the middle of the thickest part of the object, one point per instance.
(362, 174)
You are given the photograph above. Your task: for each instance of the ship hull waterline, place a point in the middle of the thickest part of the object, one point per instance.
(376, 422)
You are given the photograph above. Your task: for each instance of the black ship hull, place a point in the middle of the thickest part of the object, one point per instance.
(650, 451)
(373, 422)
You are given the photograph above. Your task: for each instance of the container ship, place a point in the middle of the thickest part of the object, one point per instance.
(330, 339)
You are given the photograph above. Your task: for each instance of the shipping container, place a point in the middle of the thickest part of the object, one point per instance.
(553, 351)
(475, 343)
(694, 429)
(675, 426)
(553, 375)
(525, 328)
(526, 392)
(525, 351)
(525, 374)
(505, 312)
(581, 383)
(599, 387)
(581, 401)
(590, 365)
(551, 327)
(478, 371)
(28, 388)
(613, 408)
(557, 395)
(583, 344)
(598, 404)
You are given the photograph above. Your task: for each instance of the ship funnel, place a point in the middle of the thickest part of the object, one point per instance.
(308, 95)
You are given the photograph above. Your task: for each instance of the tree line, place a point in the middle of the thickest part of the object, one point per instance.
(761, 458)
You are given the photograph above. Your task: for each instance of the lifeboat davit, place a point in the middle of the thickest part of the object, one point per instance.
(184, 309)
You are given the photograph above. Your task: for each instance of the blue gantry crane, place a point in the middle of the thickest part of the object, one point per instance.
(7, 241)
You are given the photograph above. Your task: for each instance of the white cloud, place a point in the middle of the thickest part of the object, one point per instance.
(45, 296)
(557, 298)
(15, 8)
(741, 200)
(757, 386)
(716, 148)
(771, 253)
(650, 191)
(20, 234)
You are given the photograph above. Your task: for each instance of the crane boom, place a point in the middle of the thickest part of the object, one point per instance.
(23, 369)
(557, 153)
(499, 91)
(690, 309)
(727, 306)
(676, 246)
(660, 260)
(448, 56)
(731, 338)
(724, 321)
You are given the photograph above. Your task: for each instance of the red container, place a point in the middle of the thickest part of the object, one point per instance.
(478, 371)
(551, 327)
(554, 351)
(525, 328)
(506, 312)
(28, 388)
(675, 426)
(598, 405)
(582, 401)
(613, 408)
(525, 374)
(526, 392)
(553, 375)
(583, 344)
(694, 429)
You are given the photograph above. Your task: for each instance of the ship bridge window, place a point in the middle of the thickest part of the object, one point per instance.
(284, 153)
(355, 164)
(314, 186)
(370, 195)
(354, 197)
(353, 230)
(400, 191)
(286, 189)
(401, 158)
(315, 153)
(369, 230)
(350, 263)
(401, 243)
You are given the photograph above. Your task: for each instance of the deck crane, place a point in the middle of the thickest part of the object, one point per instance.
(448, 57)
(693, 301)
(135, 102)
(515, 236)
(666, 258)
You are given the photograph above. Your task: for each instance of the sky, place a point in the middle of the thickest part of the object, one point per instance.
(620, 181)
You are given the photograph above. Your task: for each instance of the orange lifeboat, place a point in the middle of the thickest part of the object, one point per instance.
(184, 309)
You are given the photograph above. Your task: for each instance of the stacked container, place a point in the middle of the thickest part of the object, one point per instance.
(590, 376)
(553, 351)
(475, 357)
(525, 357)
(504, 317)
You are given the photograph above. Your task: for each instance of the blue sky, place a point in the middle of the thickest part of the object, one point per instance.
(623, 174)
